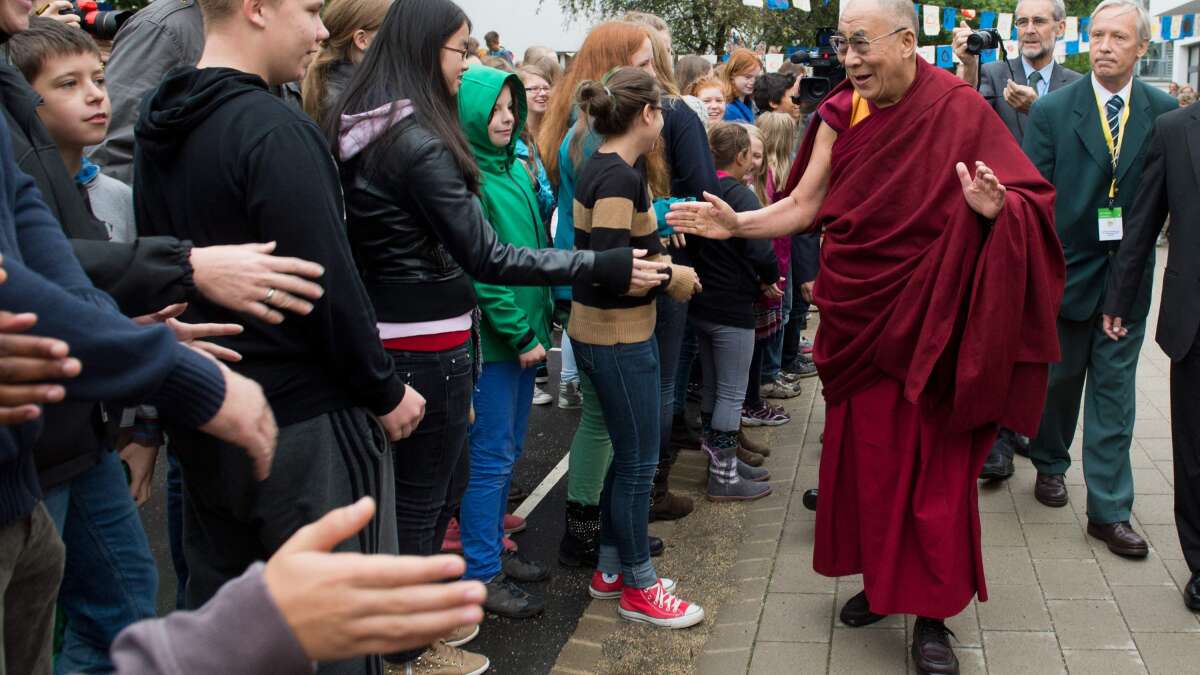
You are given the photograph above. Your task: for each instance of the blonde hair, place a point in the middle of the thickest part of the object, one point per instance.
(778, 131)
(759, 176)
(342, 18)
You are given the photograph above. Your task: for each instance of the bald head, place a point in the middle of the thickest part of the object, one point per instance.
(898, 12)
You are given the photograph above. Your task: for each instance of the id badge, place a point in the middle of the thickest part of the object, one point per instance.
(1112, 228)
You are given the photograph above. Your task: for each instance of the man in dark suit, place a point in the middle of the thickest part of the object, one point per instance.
(1170, 185)
(1012, 87)
(1089, 139)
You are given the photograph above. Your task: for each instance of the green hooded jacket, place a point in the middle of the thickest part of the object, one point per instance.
(515, 318)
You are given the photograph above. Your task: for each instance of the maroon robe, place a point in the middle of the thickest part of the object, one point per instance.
(935, 327)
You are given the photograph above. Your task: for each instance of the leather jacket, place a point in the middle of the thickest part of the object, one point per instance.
(417, 232)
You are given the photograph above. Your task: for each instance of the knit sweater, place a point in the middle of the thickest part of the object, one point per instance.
(613, 210)
(122, 362)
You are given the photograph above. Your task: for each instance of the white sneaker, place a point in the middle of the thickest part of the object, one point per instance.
(540, 397)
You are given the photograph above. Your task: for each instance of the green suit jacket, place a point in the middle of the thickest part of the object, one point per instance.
(1065, 141)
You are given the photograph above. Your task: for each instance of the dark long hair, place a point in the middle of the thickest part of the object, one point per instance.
(404, 62)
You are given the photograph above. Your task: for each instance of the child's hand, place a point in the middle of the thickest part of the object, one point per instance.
(532, 357)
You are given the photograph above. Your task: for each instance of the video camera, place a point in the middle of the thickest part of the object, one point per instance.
(826, 71)
(102, 24)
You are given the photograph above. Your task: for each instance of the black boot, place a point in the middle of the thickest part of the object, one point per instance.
(664, 504)
(580, 546)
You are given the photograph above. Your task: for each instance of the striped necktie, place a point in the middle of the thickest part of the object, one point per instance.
(1113, 111)
(1035, 78)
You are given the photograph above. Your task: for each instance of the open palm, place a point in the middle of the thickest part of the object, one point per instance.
(984, 193)
(713, 219)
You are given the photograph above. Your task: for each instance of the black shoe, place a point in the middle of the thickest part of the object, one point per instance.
(931, 650)
(518, 568)
(809, 499)
(857, 613)
(802, 367)
(542, 376)
(656, 546)
(1191, 593)
(507, 599)
(1020, 444)
(998, 466)
(581, 537)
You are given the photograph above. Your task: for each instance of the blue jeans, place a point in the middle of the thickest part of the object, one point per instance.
(627, 384)
(773, 356)
(110, 580)
(503, 397)
(668, 332)
(568, 372)
(175, 527)
(688, 352)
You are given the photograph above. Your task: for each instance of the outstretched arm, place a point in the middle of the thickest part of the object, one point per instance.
(716, 220)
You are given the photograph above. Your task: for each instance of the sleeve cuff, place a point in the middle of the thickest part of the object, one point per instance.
(613, 269)
(385, 399)
(683, 280)
(193, 392)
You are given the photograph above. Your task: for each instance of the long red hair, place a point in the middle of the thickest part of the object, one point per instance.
(609, 45)
(741, 61)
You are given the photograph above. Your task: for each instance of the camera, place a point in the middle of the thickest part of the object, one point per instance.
(981, 40)
(826, 71)
(101, 24)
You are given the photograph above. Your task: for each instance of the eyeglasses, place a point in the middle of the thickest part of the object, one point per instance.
(841, 44)
(1038, 22)
(461, 52)
(537, 90)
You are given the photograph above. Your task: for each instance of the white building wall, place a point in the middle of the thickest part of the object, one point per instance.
(1169, 8)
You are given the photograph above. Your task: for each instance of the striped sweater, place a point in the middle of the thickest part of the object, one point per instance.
(612, 209)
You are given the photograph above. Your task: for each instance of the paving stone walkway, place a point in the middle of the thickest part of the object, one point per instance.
(1060, 601)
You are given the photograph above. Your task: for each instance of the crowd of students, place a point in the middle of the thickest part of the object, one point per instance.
(375, 227)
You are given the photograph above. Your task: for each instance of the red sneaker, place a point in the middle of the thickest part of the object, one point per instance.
(655, 605)
(454, 544)
(510, 546)
(513, 524)
(452, 529)
(605, 587)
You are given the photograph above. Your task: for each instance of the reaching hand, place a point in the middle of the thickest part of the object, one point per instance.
(646, 274)
(245, 420)
(806, 291)
(406, 416)
(775, 291)
(712, 220)
(61, 11)
(1114, 327)
(532, 357)
(191, 334)
(984, 194)
(342, 605)
(247, 278)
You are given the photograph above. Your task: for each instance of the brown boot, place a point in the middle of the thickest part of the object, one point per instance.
(664, 504)
(753, 446)
(751, 458)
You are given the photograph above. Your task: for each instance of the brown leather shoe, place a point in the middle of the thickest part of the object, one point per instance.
(1051, 489)
(931, 650)
(1121, 538)
(751, 458)
(752, 445)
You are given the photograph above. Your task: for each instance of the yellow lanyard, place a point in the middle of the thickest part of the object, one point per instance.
(1114, 149)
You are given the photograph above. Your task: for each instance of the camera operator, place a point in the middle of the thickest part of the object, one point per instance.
(1012, 88)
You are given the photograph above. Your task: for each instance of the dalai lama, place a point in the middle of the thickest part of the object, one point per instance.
(941, 277)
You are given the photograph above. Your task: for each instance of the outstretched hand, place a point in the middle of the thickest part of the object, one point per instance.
(713, 219)
(1114, 327)
(984, 193)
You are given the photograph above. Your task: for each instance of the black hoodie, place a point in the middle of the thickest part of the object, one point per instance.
(226, 162)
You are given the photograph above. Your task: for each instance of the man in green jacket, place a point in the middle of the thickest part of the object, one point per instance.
(515, 335)
(1089, 139)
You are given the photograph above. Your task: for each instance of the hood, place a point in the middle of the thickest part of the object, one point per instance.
(481, 86)
(186, 98)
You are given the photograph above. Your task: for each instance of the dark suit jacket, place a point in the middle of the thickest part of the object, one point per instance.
(1065, 142)
(994, 76)
(1170, 184)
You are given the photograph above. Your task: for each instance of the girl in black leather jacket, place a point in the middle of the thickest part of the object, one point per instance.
(418, 231)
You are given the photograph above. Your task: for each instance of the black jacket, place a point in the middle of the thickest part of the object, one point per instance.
(417, 232)
(220, 160)
(732, 271)
(143, 276)
(1170, 186)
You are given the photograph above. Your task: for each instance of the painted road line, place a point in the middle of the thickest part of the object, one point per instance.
(543, 488)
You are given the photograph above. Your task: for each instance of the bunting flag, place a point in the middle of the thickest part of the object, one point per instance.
(987, 20)
(987, 56)
(1004, 23)
(932, 15)
(945, 56)
(968, 14)
(753, 3)
(777, 4)
(929, 53)
(1176, 27)
(1072, 47)
(1083, 29)
(1164, 33)
(950, 18)
(1085, 47)
(1012, 49)
(802, 5)
(1072, 32)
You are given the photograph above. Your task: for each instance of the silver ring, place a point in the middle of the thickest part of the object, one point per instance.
(270, 294)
